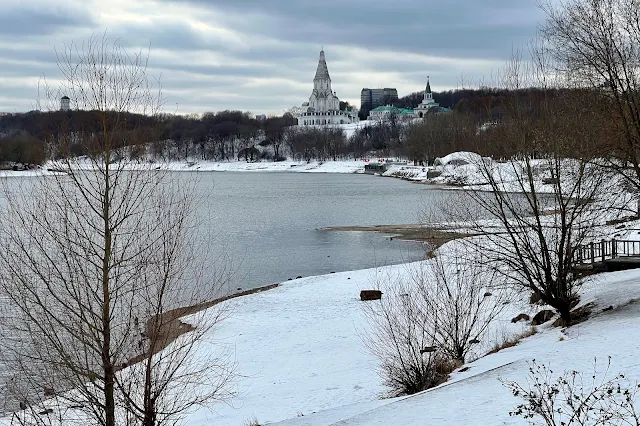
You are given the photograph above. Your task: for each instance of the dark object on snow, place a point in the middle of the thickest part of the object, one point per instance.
(542, 317)
(49, 392)
(487, 294)
(23, 405)
(535, 298)
(298, 277)
(549, 181)
(370, 295)
(608, 308)
(428, 349)
(47, 411)
(474, 341)
(521, 317)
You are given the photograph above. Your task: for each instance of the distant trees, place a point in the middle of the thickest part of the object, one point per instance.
(222, 135)
(322, 143)
(345, 106)
(22, 147)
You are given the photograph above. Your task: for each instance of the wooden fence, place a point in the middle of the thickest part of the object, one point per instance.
(600, 251)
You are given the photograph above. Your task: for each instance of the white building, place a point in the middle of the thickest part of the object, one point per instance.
(324, 106)
(387, 112)
(65, 103)
(427, 104)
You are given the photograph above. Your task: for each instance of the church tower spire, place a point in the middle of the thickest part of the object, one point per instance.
(428, 96)
(322, 72)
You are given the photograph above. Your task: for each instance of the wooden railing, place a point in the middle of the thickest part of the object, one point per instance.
(599, 251)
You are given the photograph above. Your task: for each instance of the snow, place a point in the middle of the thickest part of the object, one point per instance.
(460, 156)
(300, 353)
(297, 346)
(340, 166)
(477, 397)
(25, 173)
(300, 350)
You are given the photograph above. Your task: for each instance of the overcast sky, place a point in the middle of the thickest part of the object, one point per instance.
(261, 55)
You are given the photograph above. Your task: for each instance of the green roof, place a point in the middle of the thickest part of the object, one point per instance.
(392, 109)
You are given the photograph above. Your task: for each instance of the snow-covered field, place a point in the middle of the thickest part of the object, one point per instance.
(300, 348)
(341, 166)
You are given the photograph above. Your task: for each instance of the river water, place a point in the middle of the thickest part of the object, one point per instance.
(268, 224)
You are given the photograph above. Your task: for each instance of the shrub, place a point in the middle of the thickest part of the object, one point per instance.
(575, 399)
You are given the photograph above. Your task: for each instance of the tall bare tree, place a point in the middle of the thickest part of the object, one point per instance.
(546, 198)
(594, 44)
(99, 258)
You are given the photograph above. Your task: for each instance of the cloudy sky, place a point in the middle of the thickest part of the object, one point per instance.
(261, 55)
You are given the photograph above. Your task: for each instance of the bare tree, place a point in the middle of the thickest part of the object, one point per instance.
(98, 257)
(460, 299)
(547, 198)
(407, 358)
(594, 44)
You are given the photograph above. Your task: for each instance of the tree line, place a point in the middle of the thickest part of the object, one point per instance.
(235, 135)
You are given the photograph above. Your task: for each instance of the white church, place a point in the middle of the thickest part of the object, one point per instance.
(323, 107)
(428, 104)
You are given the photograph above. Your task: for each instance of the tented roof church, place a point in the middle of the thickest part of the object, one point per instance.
(324, 106)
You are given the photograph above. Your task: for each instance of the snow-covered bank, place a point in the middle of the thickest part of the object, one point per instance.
(300, 348)
(26, 173)
(477, 397)
(340, 166)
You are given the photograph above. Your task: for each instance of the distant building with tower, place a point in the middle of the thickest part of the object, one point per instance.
(428, 104)
(323, 107)
(65, 103)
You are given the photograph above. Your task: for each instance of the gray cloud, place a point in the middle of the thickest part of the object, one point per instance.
(38, 20)
(468, 28)
(261, 55)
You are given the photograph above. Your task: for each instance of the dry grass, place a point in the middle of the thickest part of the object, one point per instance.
(253, 421)
(510, 342)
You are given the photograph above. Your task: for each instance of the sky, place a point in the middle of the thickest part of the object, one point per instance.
(261, 55)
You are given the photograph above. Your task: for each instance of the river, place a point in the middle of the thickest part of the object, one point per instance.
(268, 224)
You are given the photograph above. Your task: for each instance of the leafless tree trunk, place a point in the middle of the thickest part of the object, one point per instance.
(96, 257)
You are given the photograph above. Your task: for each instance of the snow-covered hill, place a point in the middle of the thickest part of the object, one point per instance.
(300, 349)
(300, 352)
